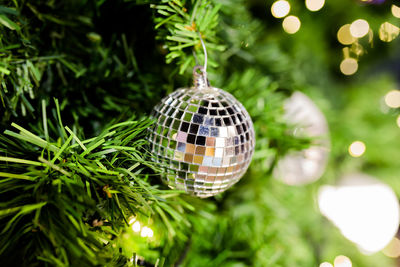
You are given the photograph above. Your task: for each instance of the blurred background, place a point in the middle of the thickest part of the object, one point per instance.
(344, 56)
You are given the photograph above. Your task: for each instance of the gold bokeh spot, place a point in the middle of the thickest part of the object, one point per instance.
(388, 32)
(348, 66)
(344, 36)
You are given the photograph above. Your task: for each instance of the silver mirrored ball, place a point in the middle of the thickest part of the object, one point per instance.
(203, 138)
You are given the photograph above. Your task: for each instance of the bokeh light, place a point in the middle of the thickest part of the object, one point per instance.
(364, 209)
(136, 227)
(280, 8)
(146, 232)
(396, 11)
(359, 28)
(325, 264)
(349, 66)
(344, 36)
(314, 5)
(392, 250)
(357, 149)
(398, 121)
(342, 261)
(131, 220)
(388, 32)
(291, 24)
(392, 99)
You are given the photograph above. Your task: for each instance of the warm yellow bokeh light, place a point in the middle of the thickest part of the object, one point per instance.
(398, 121)
(359, 28)
(396, 11)
(291, 24)
(325, 264)
(388, 32)
(393, 248)
(342, 261)
(357, 149)
(344, 36)
(392, 99)
(136, 227)
(314, 5)
(348, 66)
(280, 8)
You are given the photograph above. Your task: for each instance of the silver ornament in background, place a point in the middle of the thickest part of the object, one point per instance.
(308, 165)
(203, 137)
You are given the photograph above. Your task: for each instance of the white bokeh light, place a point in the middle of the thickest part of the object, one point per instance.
(365, 210)
(136, 227)
(392, 99)
(314, 5)
(342, 261)
(131, 220)
(357, 149)
(280, 8)
(146, 232)
(291, 24)
(359, 28)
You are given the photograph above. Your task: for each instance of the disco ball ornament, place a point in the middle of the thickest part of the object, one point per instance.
(203, 138)
(308, 165)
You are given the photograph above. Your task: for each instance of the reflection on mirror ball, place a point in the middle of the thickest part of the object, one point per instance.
(203, 138)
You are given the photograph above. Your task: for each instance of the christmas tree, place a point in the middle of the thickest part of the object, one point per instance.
(80, 182)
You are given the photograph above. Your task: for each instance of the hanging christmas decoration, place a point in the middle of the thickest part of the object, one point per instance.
(308, 165)
(365, 210)
(203, 137)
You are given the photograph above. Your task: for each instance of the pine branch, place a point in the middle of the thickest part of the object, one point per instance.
(19, 76)
(180, 24)
(70, 201)
(62, 45)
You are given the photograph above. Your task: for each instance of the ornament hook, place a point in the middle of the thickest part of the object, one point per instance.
(200, 79)
(205, 54)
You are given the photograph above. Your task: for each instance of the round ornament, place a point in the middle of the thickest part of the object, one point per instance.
(308, 165)
(203, 138)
